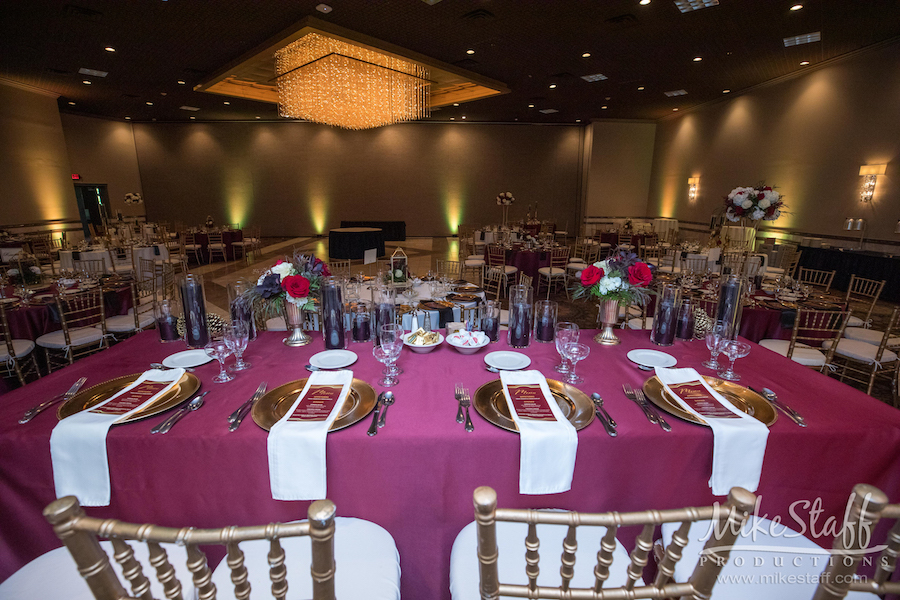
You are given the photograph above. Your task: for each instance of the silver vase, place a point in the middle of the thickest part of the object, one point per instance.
(293, 319)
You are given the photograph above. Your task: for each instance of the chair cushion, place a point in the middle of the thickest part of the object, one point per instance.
(870, 336)
(551, 271)
(861, 351)
(20, 347)
(366, 559)
(122, 323)
(855, 322)
(217, 246)
(241, 243)
(636, 323)
(508, 269)
(464, 581)
(474, 263)
(800, 561)
(577, 260)
(192, 246)
(56, 340)
(54, 575)
(803, 354)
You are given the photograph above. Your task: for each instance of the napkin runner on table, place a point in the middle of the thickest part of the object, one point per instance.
(548, 440)
(739, 440)
(296, 444)
(78, 442)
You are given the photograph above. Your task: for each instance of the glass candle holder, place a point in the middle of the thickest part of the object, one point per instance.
(521, 306)
(545, 312)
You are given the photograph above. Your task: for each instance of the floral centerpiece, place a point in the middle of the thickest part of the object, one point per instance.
(29, 275)
(133, 198)
(209, 222)
(753, 204)
(621, 279)
(504, 200)
(286, 288)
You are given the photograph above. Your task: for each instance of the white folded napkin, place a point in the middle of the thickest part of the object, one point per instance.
(78, 442)
(296, 443)
(739, 440)
(548, 441)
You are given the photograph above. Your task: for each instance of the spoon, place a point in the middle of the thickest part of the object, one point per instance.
(191, 406)
(162, 367)
(598, 401)
(387, 401)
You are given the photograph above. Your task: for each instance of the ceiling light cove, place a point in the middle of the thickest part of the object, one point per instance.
(644, 2)
(549, 111)
(110, 49)
(470, 51)
(689, 5)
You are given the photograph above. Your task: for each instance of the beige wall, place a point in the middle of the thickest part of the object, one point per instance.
(103, 152)
(621, 162)
(301, 178)
(34, 166)
(808, 136)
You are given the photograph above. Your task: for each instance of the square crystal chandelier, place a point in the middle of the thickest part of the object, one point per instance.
(331, 81)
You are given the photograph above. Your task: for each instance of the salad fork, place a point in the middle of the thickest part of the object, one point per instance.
(466, 403)
(629, 393)
(639, 393)
(458, 394)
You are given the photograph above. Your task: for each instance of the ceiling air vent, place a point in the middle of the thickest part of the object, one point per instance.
(623, 21)
(594, 77)
(548, 111)
(478, 14)
(806, 38)
(689, 5)
(81, 12)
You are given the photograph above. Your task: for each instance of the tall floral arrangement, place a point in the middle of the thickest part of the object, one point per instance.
(760, 203)
(621, 277)
(133, 198)
(505, 199)
(295, 279)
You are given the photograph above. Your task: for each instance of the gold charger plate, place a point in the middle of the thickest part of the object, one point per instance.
(463, 298)
(575, 404)
(85, 399)
(743, 399)
(269, 409)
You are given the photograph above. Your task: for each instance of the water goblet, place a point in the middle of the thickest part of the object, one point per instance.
(391, 337)
(219, 350)
(575, 352)
(734, 349)
(566, 333)
(715, 337)
(237, 336)
(383, 356)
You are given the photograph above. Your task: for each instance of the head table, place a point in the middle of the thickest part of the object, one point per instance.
(416, 477)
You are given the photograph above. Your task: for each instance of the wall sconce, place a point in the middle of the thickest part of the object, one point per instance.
(693, 182)
(870, 174)
(851, 224)
(897, 228)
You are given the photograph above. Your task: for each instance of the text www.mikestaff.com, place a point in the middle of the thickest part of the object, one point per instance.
(784, 579)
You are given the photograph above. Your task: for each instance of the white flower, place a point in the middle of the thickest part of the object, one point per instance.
(12, 272)
(35, 270)
(738, 200)
(610, 284)
(398, 273)
(757, 214)
(746, 204)
(764, 203)
(730, 215)
(603, 264)
(772, 196)
(301, 302)
(284, 269)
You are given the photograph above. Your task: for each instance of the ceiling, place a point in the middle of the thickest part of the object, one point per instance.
(528, 45)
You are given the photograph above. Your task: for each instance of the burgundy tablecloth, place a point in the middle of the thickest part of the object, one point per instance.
(527, 261)
(416, 477)
(29, 322)
(227, 237)
(612, 238)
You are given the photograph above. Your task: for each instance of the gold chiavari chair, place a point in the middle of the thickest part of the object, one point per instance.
(123, 265)
(16, 353)
(496, 262)
(493, 282)
(669, 260)
(816, 277)
(342, 557)
(339, 267)
(641, 322)
(623, 241)
(733, 261)
(216, 247)
(694, 263)
(95, 267)
(867, 506)
(863, 290)
(862, 362)
(556, 272)
(812, 328)
(191, 246)
(487, 560)
(473, 263)
(83, 332)
(241, 244)
(525, 279)
(789, 259)
(42, 249)
(140, 315)
(255, 240)
(146, 268)
(449, 268)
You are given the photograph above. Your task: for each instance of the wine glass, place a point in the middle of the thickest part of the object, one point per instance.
(715, 336)
(383, 356)
(237, 336)
(575, 352)
(219, 350)
(734, 349)
(566, 332)
(391, 337)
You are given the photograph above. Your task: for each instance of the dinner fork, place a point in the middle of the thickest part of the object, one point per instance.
(458, 394)
(629, 393)
(639, 393)
(466, 403)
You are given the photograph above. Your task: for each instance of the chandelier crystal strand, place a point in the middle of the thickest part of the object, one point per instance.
(330, 81)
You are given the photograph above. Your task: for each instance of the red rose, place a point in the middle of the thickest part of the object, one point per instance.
(591, 275)
(639, 274)
(297, 286)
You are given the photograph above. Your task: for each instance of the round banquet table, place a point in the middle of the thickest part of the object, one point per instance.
(352, 242)
(527, 261)
(228, 236)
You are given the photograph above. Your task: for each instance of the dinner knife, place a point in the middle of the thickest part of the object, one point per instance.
(259, 391)
(247, 407)
(791, 414)
(373, 428)
(33, 412)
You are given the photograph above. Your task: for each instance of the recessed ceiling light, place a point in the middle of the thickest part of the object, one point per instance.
(180, 82)
(675, 93)
(806, 38)
(259, 117)
(552, 86)
(594, 77)
(804, 63)
(452, 118)
(127, 118)
(586, 55)
(193, 117)
(110, 49)
(641, 89)
(726, 91)
(456, 104)
(674, 110)
(470, 51)
(531, 106)
(323, 8)
(186, 107)
(797, 7)
(86, 82)
(603, 107)
(71, 103)
(578, 120)
(226, 103)
(698, 58)
(464, 116)
(149, 104)
(644, 2)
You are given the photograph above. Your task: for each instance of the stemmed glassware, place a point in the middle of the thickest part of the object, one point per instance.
(391, 338)
(219, 350)
(566, 333)
(733, 349)
(715, 338)
(575, 352)
(237, 336)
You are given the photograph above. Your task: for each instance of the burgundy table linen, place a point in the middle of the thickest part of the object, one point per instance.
(416, 477)
(227, 238)
(527, 261)
(29, 322)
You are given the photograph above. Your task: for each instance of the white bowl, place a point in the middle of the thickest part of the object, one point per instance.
(422, 349)
(453, 340)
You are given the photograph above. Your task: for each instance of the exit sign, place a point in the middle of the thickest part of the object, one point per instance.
(76, 176)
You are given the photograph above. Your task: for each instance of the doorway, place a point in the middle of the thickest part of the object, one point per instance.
(93, 207)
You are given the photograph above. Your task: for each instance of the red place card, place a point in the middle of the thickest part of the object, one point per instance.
(317, 404)
(132, 398)
(529, 402)
(698, 398)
